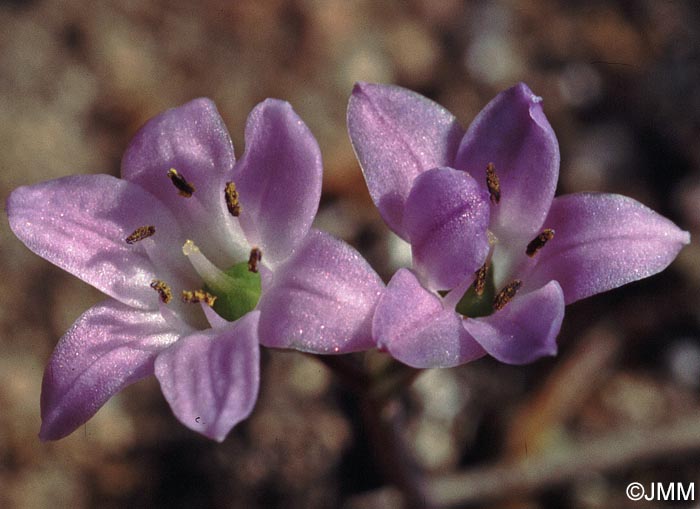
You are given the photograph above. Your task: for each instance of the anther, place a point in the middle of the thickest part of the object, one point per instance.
(232, 202)
(254, 259)
(493, 183)
(140, 233)
(185, 188)
(163, 290)
(480, 282)
(192, 297)
(506, 295)
(538, 242)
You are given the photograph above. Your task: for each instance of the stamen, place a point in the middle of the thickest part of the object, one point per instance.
(193, 297)
(538, 242)
(231, 195)
(480, 282)
(163, 290)
(507, 294)
(254, 259)
(140, 233)
(493, 183)
(185, 188)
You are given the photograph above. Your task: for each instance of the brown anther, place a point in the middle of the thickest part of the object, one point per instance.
(231, 195)
(254, 259)
(493, 183)
(193, 297)
(185, 188)
(163, 290)
(140, 233)
(507, 294)
(480, 282)
(538, 242)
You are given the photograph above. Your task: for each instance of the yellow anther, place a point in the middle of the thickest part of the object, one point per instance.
(538, 242)
(493, 183)
(192, 297)
(163, 290)
(480, 282)
(232, 202)
(140, 233)
(185, 188)
(254, 259)
(507, 294)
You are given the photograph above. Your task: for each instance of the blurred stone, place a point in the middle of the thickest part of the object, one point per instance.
(493, 55)
(580, 84)
(414, 52)
(601, 156)
(683, 360)
(309, 377)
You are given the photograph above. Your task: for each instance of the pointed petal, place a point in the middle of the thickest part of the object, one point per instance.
(193, 140)
(413, 326)
(397, 134)
(80, 223)
(525, 329)
(321, 300)
(603, 241)
(109, 347)
(278, 178)
(513, 133)
(446, 218)
(211, 378)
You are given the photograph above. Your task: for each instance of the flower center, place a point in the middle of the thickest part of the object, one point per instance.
(481, 298)
(232, 292)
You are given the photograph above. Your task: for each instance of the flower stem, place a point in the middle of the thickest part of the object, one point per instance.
(376, 383)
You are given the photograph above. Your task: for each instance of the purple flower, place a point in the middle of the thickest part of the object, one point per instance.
(233, 239)
(488, 238)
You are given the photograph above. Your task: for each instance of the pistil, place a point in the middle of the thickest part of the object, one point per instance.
(216, 279)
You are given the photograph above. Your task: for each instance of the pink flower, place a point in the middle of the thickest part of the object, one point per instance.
(187, 220)
(495, 255)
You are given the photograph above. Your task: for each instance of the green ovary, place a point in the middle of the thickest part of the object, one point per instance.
(237, 293)
(473, 305)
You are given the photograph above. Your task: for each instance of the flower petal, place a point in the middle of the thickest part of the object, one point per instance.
(211, 378)
(109, 347)
(397, 134)
(525, 329)
(80, 223)
(513, 133)
(446, 219)
(193, 140)
(603, 241)
(413, 326)
(321, 300)
(278, 179)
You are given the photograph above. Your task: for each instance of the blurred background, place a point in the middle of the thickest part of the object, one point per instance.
(621, 86)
